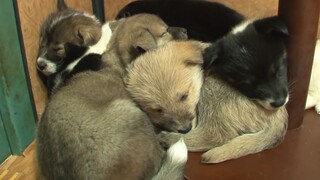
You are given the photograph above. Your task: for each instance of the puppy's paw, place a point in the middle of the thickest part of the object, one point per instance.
(213, 156)
(317, 108)
(166, 139)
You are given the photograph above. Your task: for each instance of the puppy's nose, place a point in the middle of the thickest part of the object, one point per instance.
(185, 129)
(278, 103)
(41, 65)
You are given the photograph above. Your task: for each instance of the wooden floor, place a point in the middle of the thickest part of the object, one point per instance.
(20, 167)
(297, 158)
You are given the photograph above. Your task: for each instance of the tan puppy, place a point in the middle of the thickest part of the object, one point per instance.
(166, 84)
(91, 129)
(230, 125)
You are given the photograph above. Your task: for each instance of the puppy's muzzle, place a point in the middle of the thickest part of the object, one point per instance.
(185, 129)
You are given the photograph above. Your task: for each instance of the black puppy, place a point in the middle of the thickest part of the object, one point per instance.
(204, 21)
(252, 58)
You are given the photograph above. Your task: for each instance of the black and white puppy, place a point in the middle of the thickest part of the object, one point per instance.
(252, 58)
(250, 55)
(70, 42)
(204, 21)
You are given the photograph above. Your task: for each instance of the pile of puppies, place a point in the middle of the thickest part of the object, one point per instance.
(130, 97)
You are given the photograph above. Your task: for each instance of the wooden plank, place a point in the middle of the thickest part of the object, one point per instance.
(15, 105)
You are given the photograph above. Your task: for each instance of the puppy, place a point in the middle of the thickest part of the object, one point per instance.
(91, 128)
(70, 42)
(252, 59)
(313, 98)
(230, 124)
(166, 84)
(264, 81)
(204, 21)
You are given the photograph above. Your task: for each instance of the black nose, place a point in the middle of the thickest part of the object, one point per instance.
(185, 129)
(278, 103)
(41, 65)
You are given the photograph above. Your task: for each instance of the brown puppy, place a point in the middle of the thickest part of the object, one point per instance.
(230, 125)
(91, 129)
(166, 84)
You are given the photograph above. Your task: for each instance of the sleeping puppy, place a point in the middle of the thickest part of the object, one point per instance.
(252, 59)
(204, 21)
(313, 98)
(237, 37)
(166, 84)
(70, 42)
(91, 128)
(230, 124)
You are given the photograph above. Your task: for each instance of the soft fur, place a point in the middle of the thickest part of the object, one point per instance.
(166, 84)
(204, 21)
(91, 129)
(230, 125)
(313, 98)
(70, 42)
(252, 58)
(240, 43)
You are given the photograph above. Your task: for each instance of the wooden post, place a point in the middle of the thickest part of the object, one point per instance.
(302, 18)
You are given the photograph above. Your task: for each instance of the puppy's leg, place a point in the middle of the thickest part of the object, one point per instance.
(196, 140)
(244, 145)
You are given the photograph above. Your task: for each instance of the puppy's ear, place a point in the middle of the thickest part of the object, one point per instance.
(211, 54)
(271, 26)
(61, 5)
(146, 41)
(87, 35)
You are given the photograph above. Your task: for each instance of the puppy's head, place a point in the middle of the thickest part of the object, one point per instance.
(252, 58)
(64, 36)
(166, 83)
(140, 33)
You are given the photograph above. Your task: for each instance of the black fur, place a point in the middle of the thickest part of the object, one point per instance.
(90, 62)
(204, 21)
(253, 60)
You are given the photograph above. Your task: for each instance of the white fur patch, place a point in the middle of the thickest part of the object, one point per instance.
(241, 27)
(178, 152)
(98, 48)
(50, 66)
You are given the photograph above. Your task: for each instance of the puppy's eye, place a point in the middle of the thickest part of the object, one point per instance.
(158, 110)
(163, 33)
(184, 97)
(56, 49)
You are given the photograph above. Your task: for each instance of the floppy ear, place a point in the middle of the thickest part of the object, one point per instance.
(87, 35)
(211, 54)
(145, 42)
(61, 5)
(271, 26)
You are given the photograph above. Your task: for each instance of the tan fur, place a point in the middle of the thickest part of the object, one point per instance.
(91, 129)
(230, 125)
(166, 83)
